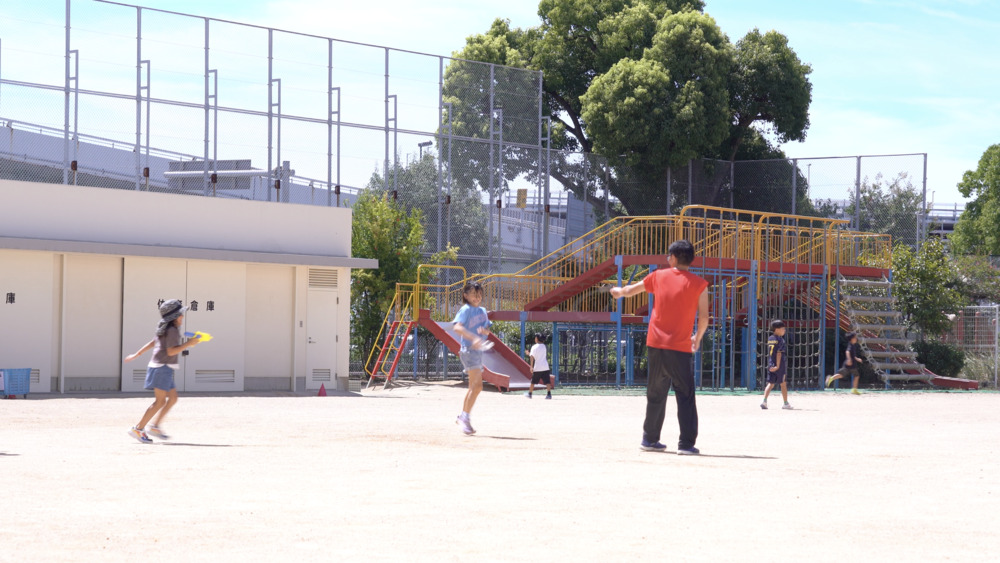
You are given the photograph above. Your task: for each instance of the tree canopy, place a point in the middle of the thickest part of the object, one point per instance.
(649, 84)
(976, 231)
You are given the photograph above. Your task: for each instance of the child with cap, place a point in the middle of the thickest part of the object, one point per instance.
(166, 346)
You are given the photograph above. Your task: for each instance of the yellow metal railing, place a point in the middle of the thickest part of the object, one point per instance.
(715, 233)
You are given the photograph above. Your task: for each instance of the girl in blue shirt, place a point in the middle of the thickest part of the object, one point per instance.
(472, 326)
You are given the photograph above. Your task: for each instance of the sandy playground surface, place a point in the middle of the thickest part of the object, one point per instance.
(387, 476)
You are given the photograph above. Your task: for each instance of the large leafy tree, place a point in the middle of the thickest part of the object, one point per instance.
(381, 229)
(648, 83)
(976, 231)
(926, 286)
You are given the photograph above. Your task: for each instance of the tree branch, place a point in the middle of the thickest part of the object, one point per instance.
(577, 129)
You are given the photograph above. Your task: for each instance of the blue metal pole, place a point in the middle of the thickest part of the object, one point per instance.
(415, 340)
(751, 341)
(524, 319)
(618, 327)
(822, 325)
(555, 352)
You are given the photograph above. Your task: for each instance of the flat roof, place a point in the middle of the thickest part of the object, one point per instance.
(15, 243)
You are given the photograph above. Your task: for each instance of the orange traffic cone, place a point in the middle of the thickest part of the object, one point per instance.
(322, 390)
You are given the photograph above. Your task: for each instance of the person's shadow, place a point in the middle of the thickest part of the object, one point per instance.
(5, 454)
(196, 445)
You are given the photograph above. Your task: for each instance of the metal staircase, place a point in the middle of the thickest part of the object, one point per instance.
(870, 308)
(391, 340)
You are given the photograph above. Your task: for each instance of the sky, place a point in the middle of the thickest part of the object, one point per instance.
(889, 77)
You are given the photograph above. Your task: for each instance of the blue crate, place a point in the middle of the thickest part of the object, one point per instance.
(16, 381)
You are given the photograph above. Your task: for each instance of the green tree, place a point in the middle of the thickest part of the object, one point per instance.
(976, 231)
(416, 186)
(384, 230)
(980, 278)
(887, 206)
(649, 83)
(926, 286)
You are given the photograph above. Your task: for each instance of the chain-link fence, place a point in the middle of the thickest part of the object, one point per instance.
(974, 330)
(104, 94)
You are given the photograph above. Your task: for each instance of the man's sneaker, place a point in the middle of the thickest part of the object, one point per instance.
(787, 407)
(139, 435)
(855, 392)
(156, 432)
(688, 451)
(548, 395)
(465, 425)
(763, 406)
(829, 380)
(528, 395)
(652, 447)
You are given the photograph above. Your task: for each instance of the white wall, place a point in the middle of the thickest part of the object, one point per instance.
(92, 326)
(74, 213)
(270, 332)
(78, 309)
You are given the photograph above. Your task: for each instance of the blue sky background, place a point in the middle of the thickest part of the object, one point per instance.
(888, 76)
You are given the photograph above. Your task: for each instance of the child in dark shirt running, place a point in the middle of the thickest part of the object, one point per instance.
(852, 364)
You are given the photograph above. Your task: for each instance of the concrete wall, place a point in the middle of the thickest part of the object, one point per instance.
(73, 213)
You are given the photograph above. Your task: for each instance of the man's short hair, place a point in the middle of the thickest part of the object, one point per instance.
(775, 325)
(683, 251)
(850, 336)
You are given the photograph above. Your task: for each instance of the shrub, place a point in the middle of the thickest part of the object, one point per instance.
(981, 369)
(939, 357)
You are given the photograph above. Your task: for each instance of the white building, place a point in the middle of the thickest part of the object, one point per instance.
(82, 271)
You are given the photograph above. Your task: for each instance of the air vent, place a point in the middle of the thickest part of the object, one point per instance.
(139, 376)
(36, 376)
(322, 375)
(215, 376)
(322, 279)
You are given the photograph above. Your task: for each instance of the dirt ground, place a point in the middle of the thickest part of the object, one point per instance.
(387, 476)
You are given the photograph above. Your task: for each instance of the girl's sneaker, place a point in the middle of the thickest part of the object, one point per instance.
(140, 435)
(156, 432)
(465, 425)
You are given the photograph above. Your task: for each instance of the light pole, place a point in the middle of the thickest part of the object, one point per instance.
(809, 180)
(421, 147)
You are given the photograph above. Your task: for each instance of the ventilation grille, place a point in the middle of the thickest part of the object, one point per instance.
(322, 279)
(139, 376)
(215, 376)
(321, 375)
(36, 376)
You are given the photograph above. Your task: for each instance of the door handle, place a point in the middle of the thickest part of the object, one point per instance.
(311, 341)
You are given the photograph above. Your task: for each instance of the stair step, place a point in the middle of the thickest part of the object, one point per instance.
(869, 298)
(887, 341)
(892, 354)
(900, 328)
(896, 366)
(926, 377)
(866, 283)
(857, 313)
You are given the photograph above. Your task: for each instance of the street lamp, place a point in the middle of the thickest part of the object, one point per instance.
(422, 145)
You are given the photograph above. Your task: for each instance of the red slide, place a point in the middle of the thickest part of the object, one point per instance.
(502, 367)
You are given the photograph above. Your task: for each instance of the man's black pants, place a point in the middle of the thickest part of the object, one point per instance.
(670, 368)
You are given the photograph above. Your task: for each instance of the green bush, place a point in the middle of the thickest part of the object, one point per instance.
(981, 369)
(941, 358)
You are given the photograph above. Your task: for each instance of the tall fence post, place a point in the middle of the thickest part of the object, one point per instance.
(921, 225)
(65, 171)
(690, 182)
(795, 182)
(138, 97)
(857, 196)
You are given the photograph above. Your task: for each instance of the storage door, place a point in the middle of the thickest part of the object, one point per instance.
(321, 349)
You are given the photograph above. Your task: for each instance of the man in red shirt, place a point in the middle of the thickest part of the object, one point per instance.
(677, 296)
